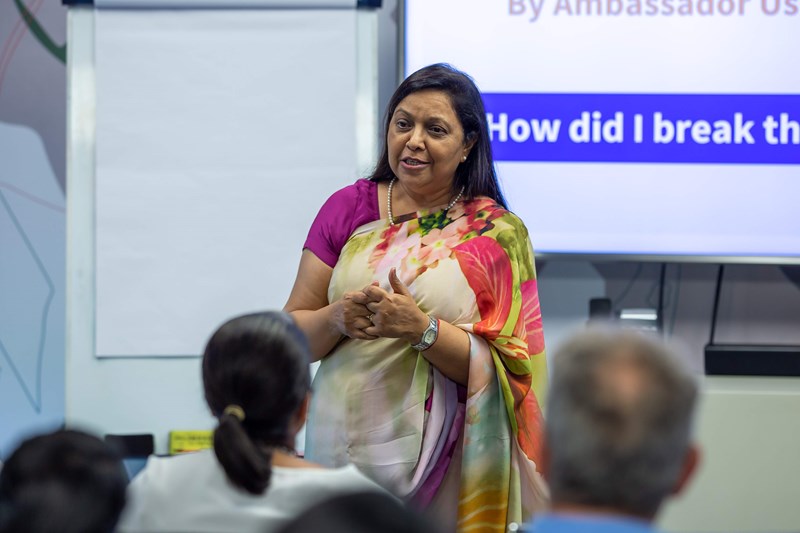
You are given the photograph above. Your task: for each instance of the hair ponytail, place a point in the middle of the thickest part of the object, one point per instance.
(247, 466)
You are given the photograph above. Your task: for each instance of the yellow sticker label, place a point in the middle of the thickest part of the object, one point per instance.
(190, 441)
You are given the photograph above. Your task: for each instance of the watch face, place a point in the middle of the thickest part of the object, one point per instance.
(429, 336)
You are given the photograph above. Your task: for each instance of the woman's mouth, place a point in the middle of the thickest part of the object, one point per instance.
(411, 162)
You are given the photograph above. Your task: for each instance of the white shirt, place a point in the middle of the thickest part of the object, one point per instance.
(190, 492)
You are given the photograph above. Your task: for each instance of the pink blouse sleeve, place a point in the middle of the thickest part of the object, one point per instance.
(346, 210)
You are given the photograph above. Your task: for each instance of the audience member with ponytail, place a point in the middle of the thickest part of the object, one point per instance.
(257, 385)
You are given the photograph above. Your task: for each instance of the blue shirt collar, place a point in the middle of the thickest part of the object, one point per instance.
(585, 523)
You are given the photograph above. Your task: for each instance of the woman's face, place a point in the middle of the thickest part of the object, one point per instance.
(425, 141)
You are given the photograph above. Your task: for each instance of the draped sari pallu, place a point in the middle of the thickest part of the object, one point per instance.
(381, 405)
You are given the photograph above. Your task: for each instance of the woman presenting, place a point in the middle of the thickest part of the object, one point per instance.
(417, 290)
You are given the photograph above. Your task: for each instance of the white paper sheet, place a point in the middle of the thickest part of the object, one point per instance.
(219, 135)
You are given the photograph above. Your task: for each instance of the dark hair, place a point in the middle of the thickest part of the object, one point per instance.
(359, 512)
(258, 362)
(476, 174)
(65, 481)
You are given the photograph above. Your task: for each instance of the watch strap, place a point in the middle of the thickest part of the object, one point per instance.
(429, 336)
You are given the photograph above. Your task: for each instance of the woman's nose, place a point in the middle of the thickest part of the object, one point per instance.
(416, 140)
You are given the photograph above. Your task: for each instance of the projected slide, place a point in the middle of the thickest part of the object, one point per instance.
(639, 127)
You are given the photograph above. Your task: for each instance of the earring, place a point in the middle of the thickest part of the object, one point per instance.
(463, 159)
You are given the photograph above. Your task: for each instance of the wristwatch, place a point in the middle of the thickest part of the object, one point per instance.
(429, 336)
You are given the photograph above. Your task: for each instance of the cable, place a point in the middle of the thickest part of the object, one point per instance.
(624, 292)
(660, 307)
(715, 309)
(676, 299)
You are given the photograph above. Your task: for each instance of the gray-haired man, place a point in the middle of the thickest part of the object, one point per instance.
(618, 433)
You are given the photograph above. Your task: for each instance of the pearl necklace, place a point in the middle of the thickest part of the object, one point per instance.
(389, 200)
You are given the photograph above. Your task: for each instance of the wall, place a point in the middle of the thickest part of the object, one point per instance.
(748, 477)
(32, 233)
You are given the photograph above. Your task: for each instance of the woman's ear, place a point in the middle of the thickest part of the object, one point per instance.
(468, 144)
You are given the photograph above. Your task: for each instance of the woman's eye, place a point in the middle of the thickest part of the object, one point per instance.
(437, 130)
(402, 124)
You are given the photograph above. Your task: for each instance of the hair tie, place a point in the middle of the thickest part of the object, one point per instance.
(235, 411)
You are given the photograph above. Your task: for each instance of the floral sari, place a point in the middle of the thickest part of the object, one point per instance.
(382, 406)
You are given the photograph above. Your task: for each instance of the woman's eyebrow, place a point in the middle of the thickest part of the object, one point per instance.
(433, 118)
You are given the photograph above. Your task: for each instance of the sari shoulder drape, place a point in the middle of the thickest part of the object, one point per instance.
(508, 376)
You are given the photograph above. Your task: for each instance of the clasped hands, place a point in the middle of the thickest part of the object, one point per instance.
(375, 312)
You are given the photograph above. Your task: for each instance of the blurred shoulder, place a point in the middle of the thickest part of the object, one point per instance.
(357, 479)
(161, 468)
(343, 478)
